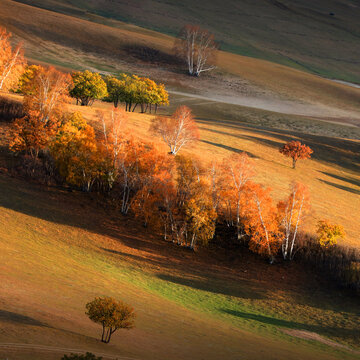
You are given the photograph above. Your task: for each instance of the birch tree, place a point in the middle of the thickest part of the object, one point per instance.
(197, 47)
(292, 212)
(176, 131)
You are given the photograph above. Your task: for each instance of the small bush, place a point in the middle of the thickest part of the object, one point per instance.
(87, 356)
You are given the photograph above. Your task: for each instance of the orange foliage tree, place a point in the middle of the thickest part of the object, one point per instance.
(77, 153)
(296, 151)
(44, 106)
(178, 130)
(12, 61)
(111, 314)
(292, 212)
(262, 223)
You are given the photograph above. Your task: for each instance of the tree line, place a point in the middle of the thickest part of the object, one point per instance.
(179, 196)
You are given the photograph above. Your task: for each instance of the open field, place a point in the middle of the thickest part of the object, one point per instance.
(190, 306)
(319, 37)
(74, 43)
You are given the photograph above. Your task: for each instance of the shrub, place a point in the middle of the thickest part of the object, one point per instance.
(87, 356)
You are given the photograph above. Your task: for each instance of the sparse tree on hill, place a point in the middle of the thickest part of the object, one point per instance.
(197, 48)
(329, 234)
(292, 212)
(296, 151)
(178, 130)
(88, 86)
(111, 314)
(12, 61)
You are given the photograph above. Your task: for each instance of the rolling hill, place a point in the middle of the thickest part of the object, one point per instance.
(321, 37)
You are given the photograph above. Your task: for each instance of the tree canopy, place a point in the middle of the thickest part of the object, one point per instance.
(111, 314)
(88, 86)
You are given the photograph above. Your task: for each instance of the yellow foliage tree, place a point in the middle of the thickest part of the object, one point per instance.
(329, 234)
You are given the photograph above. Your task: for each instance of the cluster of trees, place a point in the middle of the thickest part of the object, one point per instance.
(176, 194)
(132, 90)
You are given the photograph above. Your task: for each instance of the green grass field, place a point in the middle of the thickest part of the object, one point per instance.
(58, 251)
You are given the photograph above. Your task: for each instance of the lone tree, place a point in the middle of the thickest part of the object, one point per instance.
(178, 130)
(111, 314)
(88, 86)
(197, 48)
(296, 151)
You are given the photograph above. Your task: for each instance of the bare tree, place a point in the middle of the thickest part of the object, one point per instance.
(178, 130)
(197, 47)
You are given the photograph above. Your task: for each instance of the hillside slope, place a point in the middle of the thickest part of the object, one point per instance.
(54, 259)
(321, 36)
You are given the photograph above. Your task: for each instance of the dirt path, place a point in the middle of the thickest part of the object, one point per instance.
(289, 107)
(19, 346)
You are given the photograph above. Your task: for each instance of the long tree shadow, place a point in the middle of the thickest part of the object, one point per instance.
(322, 329)
(242, 288)
(347, 179)
(341, 187)
(342, 152)
(15, 318)
(232, 149)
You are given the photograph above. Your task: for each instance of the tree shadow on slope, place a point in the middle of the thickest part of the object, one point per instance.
(241, 289)
(15, 318)
(349, 334)
(341, 187)
(335, 151)
(347, 179)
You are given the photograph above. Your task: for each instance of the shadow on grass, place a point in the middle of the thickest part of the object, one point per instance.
(228, 148)
(350, 334)
(14, 318)
(341, 187)
(341, 152)
(242, 288)
(349, 180)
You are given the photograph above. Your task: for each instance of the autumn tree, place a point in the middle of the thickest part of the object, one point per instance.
(292, 212)
(296, 151)
(88, 86)
(12, 61)
(197, 47)
(44, 106)
(134, 91)
(26, 85)
(238, 169)
(328, 233)
(176, 131)
(111, 314)
(262, 223)
(200, 215)
(77, 154)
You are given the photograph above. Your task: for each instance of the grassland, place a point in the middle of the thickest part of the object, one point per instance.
(101, 44)
(58, 251)
(319, 37)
